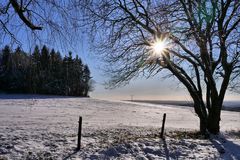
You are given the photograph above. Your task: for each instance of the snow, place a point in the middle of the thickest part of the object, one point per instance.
(35, 127)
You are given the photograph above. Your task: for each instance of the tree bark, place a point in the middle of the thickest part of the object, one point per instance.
(213, 120)
(203, 126)
(200, 110)
(209, 121)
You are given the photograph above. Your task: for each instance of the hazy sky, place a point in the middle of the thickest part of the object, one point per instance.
(154, 88)
(141, 88)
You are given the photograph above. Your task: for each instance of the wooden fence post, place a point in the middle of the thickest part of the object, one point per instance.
(79, 133)
(163, 125)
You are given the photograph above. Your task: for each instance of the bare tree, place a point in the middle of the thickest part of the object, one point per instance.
(202, 50)
(44, 21)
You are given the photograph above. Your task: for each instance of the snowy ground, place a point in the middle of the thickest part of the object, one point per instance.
(46, 127)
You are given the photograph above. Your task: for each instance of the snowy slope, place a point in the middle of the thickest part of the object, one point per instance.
(46, 127)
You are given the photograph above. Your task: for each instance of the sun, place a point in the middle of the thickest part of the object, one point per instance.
(159, 46)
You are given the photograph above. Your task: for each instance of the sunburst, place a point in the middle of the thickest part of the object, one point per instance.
(159, 46)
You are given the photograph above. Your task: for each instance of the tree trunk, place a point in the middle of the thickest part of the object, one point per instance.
(213, 125)
(203, 126)
(209, 122)
(201, 112)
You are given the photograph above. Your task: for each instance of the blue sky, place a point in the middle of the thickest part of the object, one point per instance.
(154, 88)
(140, 88)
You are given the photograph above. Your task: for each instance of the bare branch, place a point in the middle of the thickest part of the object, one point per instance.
(18, 9)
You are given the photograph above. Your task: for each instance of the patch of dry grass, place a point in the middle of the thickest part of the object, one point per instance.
(186, 135)
(233, 133)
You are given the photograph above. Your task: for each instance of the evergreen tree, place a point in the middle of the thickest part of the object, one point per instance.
(5, 68)
(58, 74)
(78, 80)
(86, 78)
(70, 74)
(44, 58)
(34, 73)
(65, 74)
(55, 79)
(20, 62)
(6, 59)
(43, 72)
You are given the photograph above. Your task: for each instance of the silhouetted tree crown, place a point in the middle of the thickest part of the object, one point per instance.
(197, 42)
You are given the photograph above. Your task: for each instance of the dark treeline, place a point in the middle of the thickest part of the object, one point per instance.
(43, 72)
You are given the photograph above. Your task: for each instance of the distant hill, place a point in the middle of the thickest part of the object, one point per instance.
(228, 105)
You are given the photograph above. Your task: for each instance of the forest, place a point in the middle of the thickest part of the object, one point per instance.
(45, 71)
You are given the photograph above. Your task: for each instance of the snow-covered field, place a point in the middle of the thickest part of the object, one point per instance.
(45, 127)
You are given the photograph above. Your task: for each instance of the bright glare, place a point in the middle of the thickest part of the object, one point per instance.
(159, 46)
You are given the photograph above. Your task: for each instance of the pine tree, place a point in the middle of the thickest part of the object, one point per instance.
(6, 59)
(34, 72)
(86, 78)
(55, 79)
(20, 62)
(5, 75)
(58, 74)
(65, 74)
(78, 80)
(43, 72)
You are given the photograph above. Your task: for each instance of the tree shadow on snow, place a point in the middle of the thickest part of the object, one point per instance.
(226, 148)
(70, 154)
